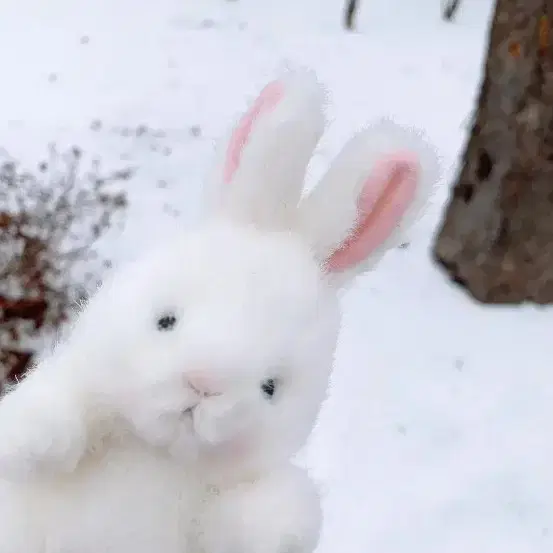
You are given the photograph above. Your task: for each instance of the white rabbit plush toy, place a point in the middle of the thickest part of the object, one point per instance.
(166, 420)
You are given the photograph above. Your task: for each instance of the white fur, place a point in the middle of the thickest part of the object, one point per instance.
(128, 439)
(135, 500)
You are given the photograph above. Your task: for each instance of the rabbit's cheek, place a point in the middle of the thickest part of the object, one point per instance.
(159, 429)
(220, 419)
(155, 399)
(161, 416)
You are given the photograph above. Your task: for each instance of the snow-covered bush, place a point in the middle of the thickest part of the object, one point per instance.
(50, 220)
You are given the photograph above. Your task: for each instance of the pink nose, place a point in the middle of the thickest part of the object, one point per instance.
(202, 385)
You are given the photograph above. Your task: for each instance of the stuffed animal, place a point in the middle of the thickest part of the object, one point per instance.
(166, 420)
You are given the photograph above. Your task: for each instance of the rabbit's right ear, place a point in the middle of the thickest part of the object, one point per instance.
(260, 174)
(374, 190)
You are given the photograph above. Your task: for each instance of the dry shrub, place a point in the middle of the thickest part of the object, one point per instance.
(49, 223)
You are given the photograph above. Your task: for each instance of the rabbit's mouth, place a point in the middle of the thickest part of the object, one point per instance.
(188, 413)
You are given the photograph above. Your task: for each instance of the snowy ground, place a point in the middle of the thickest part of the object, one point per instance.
(437, 434)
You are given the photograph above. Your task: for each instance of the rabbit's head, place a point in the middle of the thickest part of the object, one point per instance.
(219, 343)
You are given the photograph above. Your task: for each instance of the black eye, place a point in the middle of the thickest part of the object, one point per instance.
(268, 387)
(166, 322)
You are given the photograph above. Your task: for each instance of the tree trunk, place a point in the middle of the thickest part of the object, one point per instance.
(349, 14)
(496, 238)
(450, 9)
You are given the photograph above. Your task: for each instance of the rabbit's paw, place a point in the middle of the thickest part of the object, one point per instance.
(37, 435)
(278, 514)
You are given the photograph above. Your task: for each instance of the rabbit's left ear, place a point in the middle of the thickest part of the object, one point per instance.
(373, 191)
(261, 170)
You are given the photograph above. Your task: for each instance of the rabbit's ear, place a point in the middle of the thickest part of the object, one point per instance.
(374, 190)
(42, 426)
(261, 170)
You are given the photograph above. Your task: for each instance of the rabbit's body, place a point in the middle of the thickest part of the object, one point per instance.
(136, 499)
(166, 419)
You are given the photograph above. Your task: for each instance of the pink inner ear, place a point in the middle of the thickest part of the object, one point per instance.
(268, 98)
(384, 199)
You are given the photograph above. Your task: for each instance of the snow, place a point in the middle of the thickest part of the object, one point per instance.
(436, 437)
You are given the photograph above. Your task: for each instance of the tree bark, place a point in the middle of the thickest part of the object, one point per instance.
(496, 237)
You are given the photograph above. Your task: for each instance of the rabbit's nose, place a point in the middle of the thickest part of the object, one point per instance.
(202, 385)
